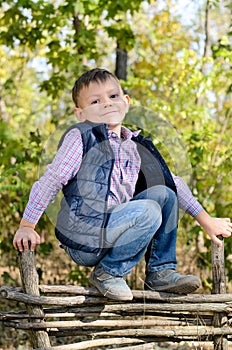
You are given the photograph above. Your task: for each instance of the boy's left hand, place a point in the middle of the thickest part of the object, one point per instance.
(214, 226)
(218, 227)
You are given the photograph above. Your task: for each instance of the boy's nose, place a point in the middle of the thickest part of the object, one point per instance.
(107, 103)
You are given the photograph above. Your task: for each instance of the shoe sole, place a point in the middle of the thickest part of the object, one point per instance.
(178, 289)
(108, 294)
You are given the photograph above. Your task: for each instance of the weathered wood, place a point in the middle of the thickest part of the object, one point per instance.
(83, 311)
(44, 300)
(80, 314)
(9, 293)
(140, 294)
(184, 319)
(68, 289)
(147, 346)
(177, 332)
(218, 268)
(94, 343)
(30, 283)
(151, 334)
(94, 324)
(156, 339)
(219, 287)
(146, 333)
(79, 300)
(151, 316)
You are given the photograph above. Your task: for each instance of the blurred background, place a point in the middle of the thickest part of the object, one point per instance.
(173, 58)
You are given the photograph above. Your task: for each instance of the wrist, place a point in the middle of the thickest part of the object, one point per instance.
(25, 223)
(204, 219)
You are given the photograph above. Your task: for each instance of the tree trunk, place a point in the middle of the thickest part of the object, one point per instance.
(121, 63)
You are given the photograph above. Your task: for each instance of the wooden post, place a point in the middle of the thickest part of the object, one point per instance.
(219, 287)
(30, 282)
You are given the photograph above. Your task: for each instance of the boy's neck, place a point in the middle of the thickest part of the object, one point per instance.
(116, 128)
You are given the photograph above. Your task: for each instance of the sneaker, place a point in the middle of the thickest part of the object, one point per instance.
(170, 281)
(110, 286)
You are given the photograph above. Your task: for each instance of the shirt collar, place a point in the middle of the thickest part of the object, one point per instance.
(126, 133)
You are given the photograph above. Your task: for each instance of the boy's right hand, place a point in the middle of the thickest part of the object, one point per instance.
(23, 236)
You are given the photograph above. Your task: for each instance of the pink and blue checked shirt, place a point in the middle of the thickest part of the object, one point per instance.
(123, 180)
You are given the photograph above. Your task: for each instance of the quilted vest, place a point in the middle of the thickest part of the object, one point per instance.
(82, 218)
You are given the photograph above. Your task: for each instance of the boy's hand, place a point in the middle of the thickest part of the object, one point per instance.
(23, 236)
(214, 226)
(218, 227)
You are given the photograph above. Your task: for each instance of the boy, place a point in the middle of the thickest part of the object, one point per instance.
(120, 199)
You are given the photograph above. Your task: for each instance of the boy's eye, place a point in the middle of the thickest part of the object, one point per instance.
(95, 102)
(114, 96)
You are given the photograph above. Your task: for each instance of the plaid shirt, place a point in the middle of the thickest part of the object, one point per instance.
(67, 162)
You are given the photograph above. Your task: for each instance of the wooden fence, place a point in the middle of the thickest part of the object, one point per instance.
(96, 322)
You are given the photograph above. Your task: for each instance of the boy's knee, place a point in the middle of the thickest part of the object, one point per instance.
(161, 193)
(171, 194)
(153, 211)
(164, 190)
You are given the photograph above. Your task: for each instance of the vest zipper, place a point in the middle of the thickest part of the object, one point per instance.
(103, 235)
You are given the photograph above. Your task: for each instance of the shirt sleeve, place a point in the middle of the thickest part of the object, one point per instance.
(187, 202)
(64, 167)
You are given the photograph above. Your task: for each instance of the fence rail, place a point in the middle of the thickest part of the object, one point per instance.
(58, 310)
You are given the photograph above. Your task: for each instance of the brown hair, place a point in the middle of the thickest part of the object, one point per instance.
(94, 75)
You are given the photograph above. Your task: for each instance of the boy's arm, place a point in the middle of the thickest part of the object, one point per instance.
(213, 226)
(64, 166)
(187, 202)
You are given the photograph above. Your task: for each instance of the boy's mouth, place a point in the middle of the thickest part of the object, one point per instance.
(109, 112)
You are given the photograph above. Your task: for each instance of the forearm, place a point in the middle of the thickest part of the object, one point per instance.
(204, 219)
(187, 202)
(26, 237)
(41, 195)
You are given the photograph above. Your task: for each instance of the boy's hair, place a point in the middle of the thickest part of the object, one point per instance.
(94, 75)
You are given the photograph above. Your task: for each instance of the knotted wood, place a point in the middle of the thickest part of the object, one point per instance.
(219, 287)
(151, 317)
(30, 282)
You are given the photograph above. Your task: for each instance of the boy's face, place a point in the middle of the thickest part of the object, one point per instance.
(103, 103)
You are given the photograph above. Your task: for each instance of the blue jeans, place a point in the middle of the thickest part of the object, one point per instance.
(147, 225)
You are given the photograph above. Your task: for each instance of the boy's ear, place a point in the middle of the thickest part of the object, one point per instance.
(78, 114)
(126, 99)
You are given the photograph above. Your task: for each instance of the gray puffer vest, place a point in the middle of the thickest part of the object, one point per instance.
(82, 218)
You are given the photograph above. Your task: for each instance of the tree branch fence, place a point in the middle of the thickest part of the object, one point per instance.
(95, 321)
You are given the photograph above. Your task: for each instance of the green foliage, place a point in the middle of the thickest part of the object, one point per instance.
(7, 279)
(47, 44)
(45, 248)
(123, 33)
(79, 275)
(166, 76)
